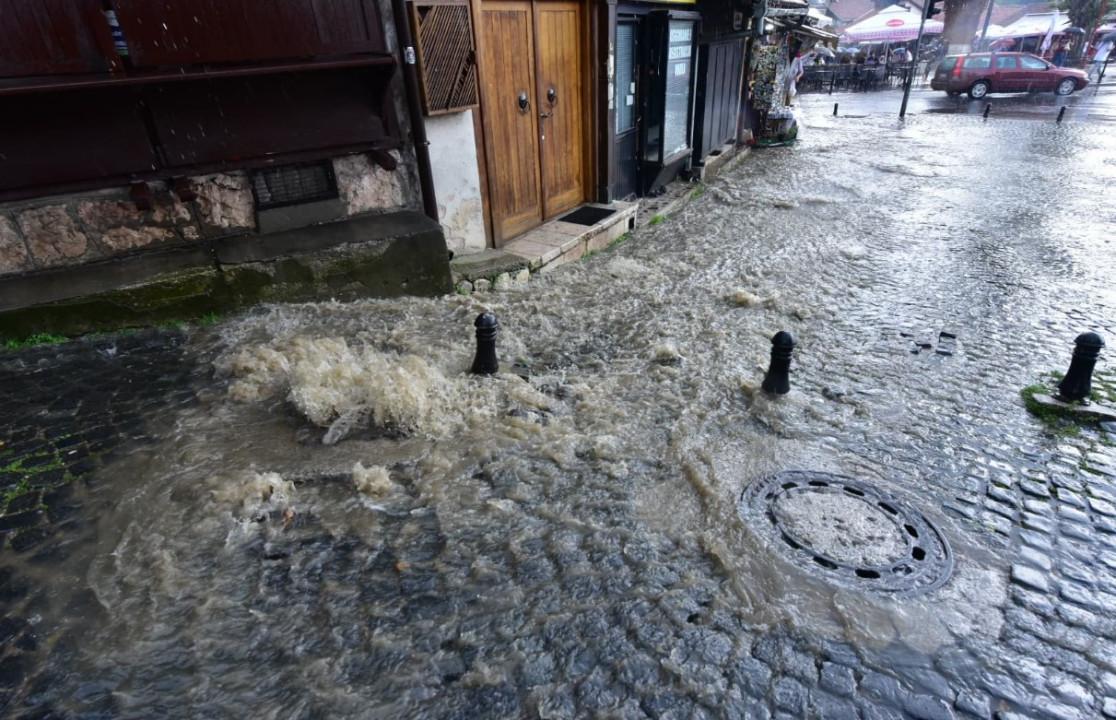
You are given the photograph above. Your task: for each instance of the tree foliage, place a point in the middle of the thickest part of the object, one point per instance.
(1084, 14)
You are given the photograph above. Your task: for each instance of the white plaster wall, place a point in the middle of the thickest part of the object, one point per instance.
(453, 158)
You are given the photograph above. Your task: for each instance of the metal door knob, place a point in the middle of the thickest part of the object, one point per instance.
(523, 102)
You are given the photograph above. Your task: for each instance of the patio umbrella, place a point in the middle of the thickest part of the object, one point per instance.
(892, 24)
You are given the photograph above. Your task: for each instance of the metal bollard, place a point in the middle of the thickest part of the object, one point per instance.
(1061, 114)
(834, 109)
(485, 362)
(777, 379)
(987, 109)
(1078, 382)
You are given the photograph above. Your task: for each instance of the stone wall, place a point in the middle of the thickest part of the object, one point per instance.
(76, 229)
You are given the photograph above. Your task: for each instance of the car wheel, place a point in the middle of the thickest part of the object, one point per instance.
(979, 89)
(1065, 87)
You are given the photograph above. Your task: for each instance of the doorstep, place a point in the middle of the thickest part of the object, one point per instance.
(558, 242)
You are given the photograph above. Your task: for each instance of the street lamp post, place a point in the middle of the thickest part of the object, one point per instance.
(929, 10)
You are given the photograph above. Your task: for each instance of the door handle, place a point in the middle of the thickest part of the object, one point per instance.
(523, 102)
(552, 95)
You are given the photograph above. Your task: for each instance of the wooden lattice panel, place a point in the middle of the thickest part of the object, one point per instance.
(446, 57)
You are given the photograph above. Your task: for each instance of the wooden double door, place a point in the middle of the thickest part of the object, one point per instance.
(533, 94)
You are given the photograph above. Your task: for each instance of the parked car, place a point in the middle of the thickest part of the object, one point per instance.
(981, 73)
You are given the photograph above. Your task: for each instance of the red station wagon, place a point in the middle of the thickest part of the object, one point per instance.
(981, 73)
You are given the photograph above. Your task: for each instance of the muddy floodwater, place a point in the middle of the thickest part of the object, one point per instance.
(315, 511)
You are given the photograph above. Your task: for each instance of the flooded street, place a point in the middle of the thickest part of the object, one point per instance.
(570, 545)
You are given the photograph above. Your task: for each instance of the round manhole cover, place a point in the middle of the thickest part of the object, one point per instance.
(851, 532)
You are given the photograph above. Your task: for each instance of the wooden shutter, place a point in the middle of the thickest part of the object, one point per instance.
(447, 60)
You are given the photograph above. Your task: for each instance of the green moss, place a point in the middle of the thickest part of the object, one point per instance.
(34, 340)
(16, 491)
(657, 220)
(1057, 420)
(697, 192)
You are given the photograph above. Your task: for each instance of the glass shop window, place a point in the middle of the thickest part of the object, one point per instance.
(679, 68)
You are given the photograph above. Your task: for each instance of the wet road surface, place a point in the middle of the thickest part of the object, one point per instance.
(1090, 105)
(570, 546)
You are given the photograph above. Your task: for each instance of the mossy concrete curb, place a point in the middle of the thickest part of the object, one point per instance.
(374, 256)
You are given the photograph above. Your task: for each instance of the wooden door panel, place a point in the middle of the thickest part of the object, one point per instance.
(558, 36)
(511, 135)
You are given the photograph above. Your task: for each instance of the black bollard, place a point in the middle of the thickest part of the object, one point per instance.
(485, 362)
(777, 379)
(834, 109)
(1061, 114)
(1078, 382)
(987, 109)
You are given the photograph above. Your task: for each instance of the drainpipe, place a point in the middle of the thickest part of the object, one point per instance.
(414, 109)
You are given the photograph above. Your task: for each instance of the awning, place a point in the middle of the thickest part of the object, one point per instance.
(820, 19)
(1033, 24)
(892, 24)
(813, 32)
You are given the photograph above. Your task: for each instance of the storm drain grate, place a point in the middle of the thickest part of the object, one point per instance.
(850, 532)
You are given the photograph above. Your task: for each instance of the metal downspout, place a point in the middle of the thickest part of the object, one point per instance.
(414, 109)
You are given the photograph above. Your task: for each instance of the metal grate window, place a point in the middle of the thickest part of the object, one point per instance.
(293, 184)
(447, 62)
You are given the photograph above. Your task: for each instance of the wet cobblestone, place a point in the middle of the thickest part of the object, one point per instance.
(541, 590)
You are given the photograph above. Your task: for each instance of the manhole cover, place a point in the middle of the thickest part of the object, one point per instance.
(851, 532)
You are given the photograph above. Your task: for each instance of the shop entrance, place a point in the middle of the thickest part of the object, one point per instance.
(531, 69)
(627, 108)
(652, 98)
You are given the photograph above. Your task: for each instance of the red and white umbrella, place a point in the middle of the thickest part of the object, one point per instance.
(892, 24)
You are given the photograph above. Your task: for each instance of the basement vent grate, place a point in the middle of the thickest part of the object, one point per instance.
(293, 184)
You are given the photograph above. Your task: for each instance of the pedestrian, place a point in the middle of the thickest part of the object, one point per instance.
(794, 73)
(1060, 54)
(1104, 50)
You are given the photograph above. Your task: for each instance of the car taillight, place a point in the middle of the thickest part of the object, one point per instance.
(957, 68)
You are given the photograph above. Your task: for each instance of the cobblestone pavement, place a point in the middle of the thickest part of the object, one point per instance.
(570, 546)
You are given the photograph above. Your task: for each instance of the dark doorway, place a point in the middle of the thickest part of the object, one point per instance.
(627, 108)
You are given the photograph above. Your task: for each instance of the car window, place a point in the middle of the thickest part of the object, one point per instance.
(1033, 63)
(948, 63)
(1005, 63)
(977, 63)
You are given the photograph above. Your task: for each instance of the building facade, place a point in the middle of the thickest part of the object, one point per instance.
(130, 127)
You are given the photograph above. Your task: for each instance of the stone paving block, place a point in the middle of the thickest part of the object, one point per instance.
(838, 679)
(926, 707)
(880, 712)
(1037, 507)
(1041, 541)
(1029, 577)
(1102, 507)
(790, 696)
(1035, 558)
(977, 705)
(882, 687)
(1071, 514)
(824, 706)
(1079, 595)
(1077, 531)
